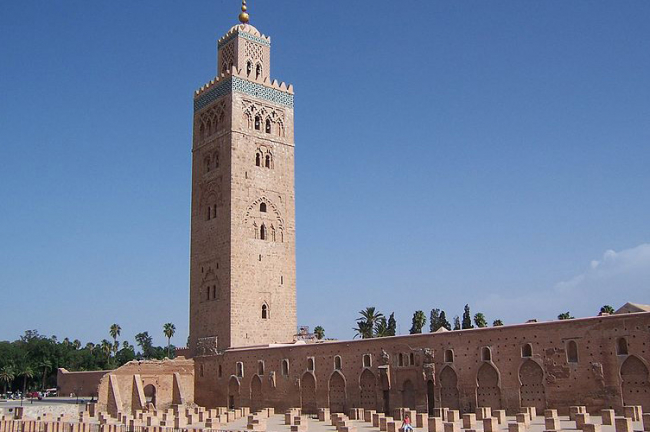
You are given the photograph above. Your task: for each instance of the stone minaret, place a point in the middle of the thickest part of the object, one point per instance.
(242, 264)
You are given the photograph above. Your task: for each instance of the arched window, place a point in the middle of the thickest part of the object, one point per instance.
(249, 68)
(265, 311)
(337, 363)
(285, 367)
(400, 359)
(572, 352)
(263, 232)
(412, 359)
(258, 122)
(527, 350)
(220, 372)
(214, 211)
(209, 214)
(207, 164)
(367, 360)
(310, 364)
(449, 356)
(207, 293)
(216, 160)
(267, 126)
(240, 369)
(214, 292)
(486, 354)
(260, 367)
(267, 162)
(258, 71)
(621, 346)
(263, 207)
(258, 159)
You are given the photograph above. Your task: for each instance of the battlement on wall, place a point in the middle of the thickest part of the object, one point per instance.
(236, 80)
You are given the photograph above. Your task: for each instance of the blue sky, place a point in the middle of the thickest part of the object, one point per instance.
(492, 153)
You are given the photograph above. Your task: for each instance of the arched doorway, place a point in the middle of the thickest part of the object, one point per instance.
(532, 392)
(150, 394)
(408, 395)
(488, 393)
(337, 393)
(233, 393)
(449, 389)
(368, 387)
(308, 393)
(256, 393)
(431, 401)
(635, 385)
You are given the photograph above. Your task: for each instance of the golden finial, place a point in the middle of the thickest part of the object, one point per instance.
(243, 16)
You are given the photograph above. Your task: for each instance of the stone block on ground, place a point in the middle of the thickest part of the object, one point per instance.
(435, 424)
(581, 420)
(451, 427)
(607, 416)
(591, 427)
(552, 423)
(490, 424)
(516, 427)
(550, 413)
(623, 424)
(500, 415)
(469, 421)
(646, 422)
(420, 420)
(453, 416)
(483, 413)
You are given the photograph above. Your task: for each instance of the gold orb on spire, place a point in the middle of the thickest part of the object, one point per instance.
(243, 16)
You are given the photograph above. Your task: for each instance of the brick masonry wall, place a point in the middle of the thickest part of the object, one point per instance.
(78, 383)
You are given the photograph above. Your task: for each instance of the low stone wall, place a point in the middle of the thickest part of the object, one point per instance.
(78, 383)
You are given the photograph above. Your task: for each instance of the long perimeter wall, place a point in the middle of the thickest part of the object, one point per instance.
(600, 362)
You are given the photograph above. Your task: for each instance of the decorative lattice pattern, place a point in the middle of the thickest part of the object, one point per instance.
(254, 51)
(227, 57)
(243, 86)
(244, 35)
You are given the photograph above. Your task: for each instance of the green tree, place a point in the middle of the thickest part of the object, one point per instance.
(146, 343)
(169, 330)
(7, 375)
(456, 322)
(381, 328)
(418, 322)
(392, 325)
(497, 323)
(26, 372)
(467, 318)
(107, 347)
(564, 316)
(76, 344)
(607, 309)
(319, 332)
(434, 320)
(479, 320)
(366, 324)
(115, 330)
(46, 365)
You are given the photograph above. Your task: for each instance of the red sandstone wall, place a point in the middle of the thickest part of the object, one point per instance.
(508, 380)
(78, 383)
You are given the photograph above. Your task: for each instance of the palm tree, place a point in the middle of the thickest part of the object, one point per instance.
(366, 324)
(7, 375)
(46, 365)
(607, 309)
(381, 328)
(115, 331)
(76, 344)
(107, 347)
(319, 332)
(169, 329)
(26, 372)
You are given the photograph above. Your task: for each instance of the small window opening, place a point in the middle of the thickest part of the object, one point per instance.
(486, 354)
(214, 211)
(367, 360)
(262, 233)
(449, 356)
(207, 293)
(400, 361)
(267, 126)
(201, 370)
(337, 363)
(265, 311)
(412, 359)
(207, 164)
(527, 350)
(310, 364)
(281, 280)
(285, 367)
(263, 207)
(268, 161)
(258, 71)
(220, 372)
(240, 369)
(249, 68)
(260, 367)
(572, 352)
(209, 213)
(258, 160)
(621, 346)
(216, 161)
(214, 292)
(257, 122)
(260, 257)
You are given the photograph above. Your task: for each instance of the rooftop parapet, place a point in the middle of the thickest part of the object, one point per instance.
(246, 31)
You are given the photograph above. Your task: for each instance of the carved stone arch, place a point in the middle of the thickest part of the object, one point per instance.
(449, 395)
(337, 392)
(488, 386)
(308, 393)
(635, 382)
(256, 397)
(280, 127)
(368, 389)
(408, 394)
(532, 392)
(255, 205)
(210, 193)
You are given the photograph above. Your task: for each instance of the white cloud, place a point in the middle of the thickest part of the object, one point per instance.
(618, 277)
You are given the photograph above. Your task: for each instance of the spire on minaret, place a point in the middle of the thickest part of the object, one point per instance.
(243, 16)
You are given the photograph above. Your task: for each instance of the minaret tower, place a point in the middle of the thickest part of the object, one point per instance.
(242, 263)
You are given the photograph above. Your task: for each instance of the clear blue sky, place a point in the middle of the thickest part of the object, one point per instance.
(495, 153)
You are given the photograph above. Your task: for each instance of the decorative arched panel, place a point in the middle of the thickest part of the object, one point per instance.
(488, 393)
(449, 389)
(308, 393)
(532, 392)
(337, 392)
(635, 385)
